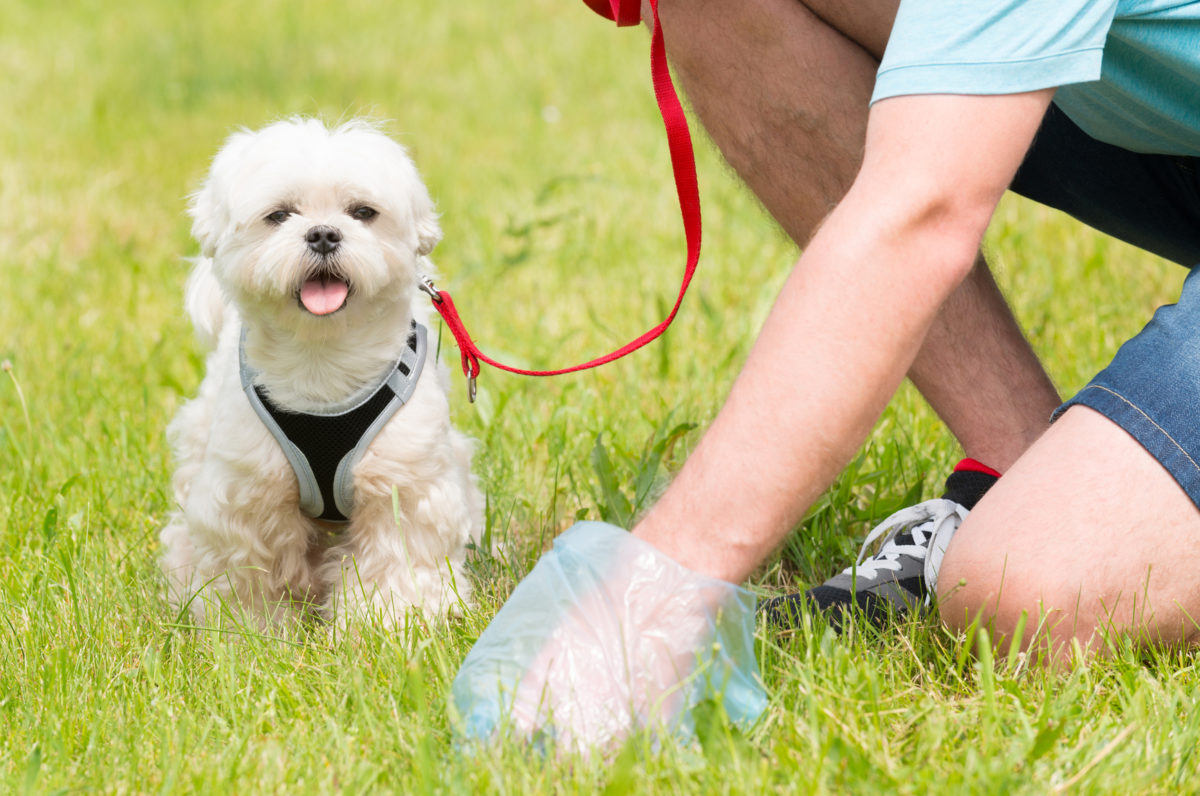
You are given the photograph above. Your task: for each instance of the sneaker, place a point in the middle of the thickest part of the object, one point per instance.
(902, 575)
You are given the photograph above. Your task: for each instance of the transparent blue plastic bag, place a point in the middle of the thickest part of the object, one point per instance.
(606, 635)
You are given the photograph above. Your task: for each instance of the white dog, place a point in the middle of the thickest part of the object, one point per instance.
(317, 468)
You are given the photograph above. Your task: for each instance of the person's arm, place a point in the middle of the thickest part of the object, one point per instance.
(846, 325)
(607, 633)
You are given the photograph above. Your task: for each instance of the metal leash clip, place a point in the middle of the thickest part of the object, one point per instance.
(426, 285)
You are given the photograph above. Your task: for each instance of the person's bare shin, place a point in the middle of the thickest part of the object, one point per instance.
(782, 88)
(979, 374)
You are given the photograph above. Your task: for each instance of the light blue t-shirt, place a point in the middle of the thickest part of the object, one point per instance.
(1128, 71)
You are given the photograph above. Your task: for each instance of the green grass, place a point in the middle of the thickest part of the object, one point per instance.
(535, 128)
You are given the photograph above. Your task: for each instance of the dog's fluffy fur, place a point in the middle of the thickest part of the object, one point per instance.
(238, 538)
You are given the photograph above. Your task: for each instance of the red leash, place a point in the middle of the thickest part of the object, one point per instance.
(683, 164)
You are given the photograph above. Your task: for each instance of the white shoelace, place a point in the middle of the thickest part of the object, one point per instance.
(931, 524)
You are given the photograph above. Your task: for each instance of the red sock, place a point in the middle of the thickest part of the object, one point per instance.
(975, 466)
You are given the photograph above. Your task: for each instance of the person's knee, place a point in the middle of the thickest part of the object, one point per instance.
(970, 581)
(692, 26)
(1007, 591)
(1021, 596)
(669, 8)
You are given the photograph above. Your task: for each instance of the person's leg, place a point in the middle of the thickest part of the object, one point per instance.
(1087, 528)
(1097, 526)
(782, 87)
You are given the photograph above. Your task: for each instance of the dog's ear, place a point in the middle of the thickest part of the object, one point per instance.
(205, 302)
(207, 220)
(425, 220)
(429, 233)
(209, 209)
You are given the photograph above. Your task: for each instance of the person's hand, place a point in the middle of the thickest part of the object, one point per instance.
(607, 635)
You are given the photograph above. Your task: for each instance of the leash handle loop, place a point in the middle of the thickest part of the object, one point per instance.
(683, 166)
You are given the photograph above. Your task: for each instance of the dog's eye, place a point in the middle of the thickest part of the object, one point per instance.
(278, 217)
(364, 213)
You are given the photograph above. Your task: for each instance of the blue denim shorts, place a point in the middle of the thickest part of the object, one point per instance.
(1152, 387)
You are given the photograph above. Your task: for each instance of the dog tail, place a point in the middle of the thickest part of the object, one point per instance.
(204, 302)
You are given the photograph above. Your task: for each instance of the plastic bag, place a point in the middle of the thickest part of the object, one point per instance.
(606, 635)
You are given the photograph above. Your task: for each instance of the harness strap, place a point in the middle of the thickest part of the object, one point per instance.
(324, 447)
(683, 165)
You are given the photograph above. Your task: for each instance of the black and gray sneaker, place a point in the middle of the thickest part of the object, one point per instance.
(902, 574)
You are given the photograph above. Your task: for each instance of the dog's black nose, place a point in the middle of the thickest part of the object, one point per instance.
(323, 239)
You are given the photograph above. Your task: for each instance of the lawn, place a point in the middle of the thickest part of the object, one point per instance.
(536, 130)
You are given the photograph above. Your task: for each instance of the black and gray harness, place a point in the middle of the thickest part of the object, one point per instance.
(324, 447)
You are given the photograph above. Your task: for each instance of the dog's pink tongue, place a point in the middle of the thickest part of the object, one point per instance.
(322, 295)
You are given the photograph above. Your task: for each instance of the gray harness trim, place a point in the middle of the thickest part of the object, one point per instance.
(335, 441)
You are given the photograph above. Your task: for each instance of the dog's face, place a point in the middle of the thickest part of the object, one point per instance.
(306, 225)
